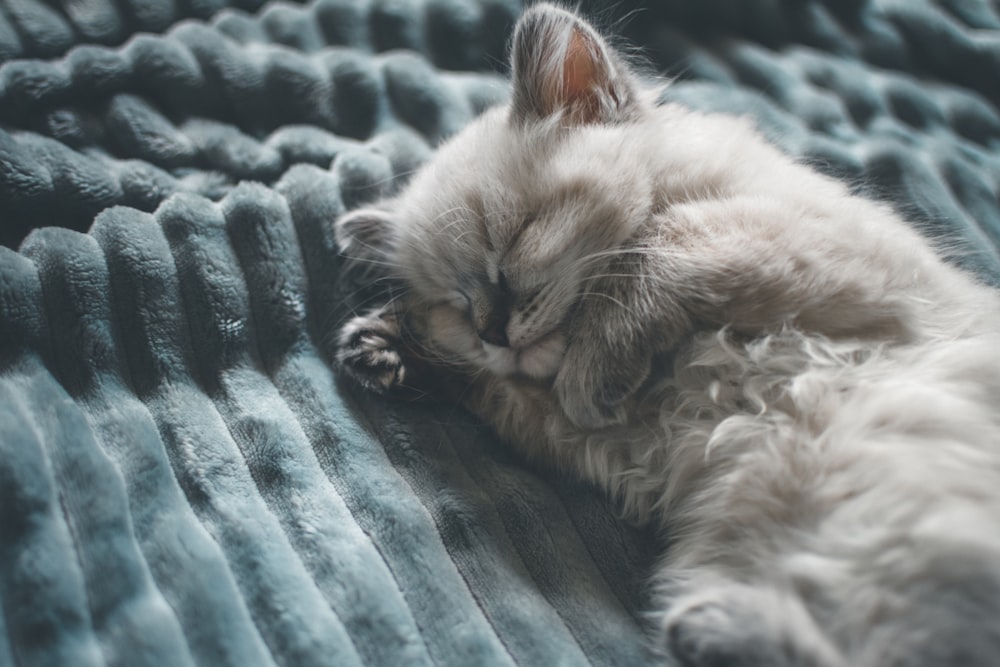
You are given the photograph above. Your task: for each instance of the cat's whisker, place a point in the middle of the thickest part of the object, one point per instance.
(368, 260)
(618, 302)
(598, 276)
(607, 256)
(395, 178)
(460, 208)
(463, 235)
(347, 300)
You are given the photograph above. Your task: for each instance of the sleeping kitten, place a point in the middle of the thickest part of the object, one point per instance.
(784, 375)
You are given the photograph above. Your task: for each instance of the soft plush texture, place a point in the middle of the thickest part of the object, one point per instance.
(183, 477)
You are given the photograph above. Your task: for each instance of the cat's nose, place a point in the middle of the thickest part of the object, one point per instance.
(493, 328)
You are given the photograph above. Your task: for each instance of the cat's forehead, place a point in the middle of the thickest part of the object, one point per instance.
(492, 148)
(523, 197)
(493, 165)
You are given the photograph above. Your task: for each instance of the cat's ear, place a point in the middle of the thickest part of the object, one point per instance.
(563, 69)
(365, 234)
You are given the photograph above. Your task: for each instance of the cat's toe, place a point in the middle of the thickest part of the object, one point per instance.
(368, 351)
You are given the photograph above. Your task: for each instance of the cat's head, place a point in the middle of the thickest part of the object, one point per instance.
(502, 233)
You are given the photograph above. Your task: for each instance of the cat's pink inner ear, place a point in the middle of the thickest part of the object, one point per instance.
(582, 78)
(563, 69)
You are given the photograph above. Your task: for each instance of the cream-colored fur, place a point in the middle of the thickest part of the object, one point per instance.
(785, 377)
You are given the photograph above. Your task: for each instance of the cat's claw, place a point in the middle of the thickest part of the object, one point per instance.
(368, 350)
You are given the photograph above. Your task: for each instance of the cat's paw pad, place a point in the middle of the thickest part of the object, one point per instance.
(369, 351)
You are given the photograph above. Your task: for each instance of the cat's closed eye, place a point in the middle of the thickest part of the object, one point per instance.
(489, 309)
(502, 285)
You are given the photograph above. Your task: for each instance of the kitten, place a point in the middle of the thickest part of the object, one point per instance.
(785, 377)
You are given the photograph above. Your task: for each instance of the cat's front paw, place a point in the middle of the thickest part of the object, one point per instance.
(594, 387)
(368, 349)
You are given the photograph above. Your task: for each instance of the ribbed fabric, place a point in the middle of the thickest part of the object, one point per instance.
(179, 452)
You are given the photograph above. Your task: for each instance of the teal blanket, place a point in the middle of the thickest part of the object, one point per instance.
(184, 477)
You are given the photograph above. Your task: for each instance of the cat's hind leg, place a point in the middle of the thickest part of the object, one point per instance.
(735, 625)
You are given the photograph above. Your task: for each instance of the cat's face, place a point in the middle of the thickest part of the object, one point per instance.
(502, 234)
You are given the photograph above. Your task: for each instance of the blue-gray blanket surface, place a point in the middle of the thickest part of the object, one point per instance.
(184, 479)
